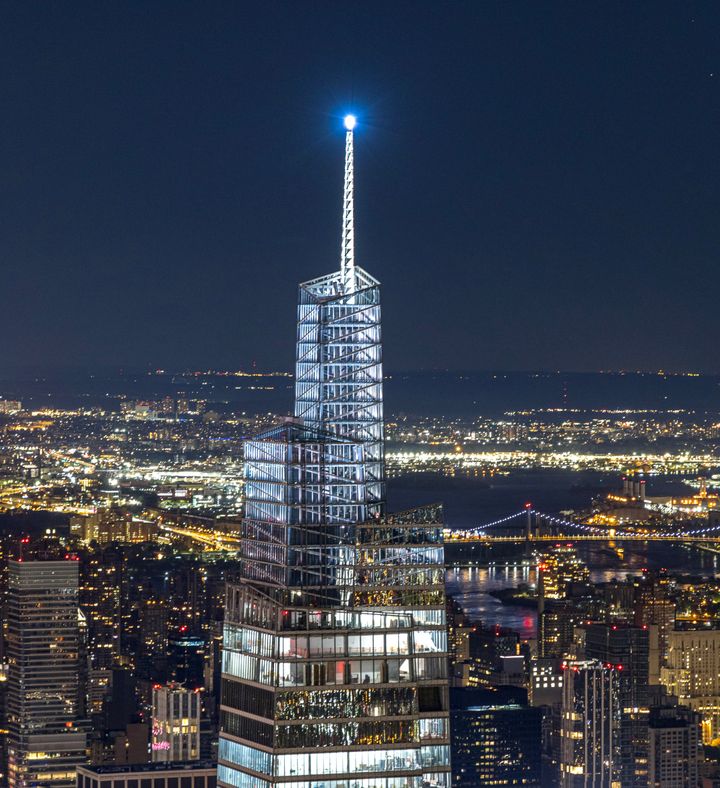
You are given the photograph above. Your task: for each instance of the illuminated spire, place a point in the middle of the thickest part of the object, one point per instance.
(347, 248)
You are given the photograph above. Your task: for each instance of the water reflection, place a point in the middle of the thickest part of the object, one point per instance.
(471, 586)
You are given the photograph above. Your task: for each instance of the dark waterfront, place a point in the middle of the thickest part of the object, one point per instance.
(470, 502)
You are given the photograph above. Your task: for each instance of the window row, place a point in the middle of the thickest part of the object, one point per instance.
(355, 671)
(332, 704)
(351, 734)
(249, 757)
(236, 638)
(245, 728)
(245, 696)
(306, 764)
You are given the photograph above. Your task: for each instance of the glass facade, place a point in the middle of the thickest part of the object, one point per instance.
(344, 671)
(335, 640)
(338, 374)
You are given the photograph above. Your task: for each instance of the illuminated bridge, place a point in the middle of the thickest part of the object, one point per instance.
(527, 525)
(530, 525)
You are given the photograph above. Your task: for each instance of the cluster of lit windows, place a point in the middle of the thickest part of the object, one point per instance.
(337, 703)
(344, 645)
(248, 640)
(400, 575)
(347, 619)
(347, 733)
(433, 728)
(355, 671)
(372, 782)
(383, 596)
(406, 556)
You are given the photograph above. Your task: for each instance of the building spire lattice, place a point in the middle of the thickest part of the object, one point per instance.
(347, 249)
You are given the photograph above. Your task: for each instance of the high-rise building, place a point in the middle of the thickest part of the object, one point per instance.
(692, 674)
(175, 724)
(653, 607)
(46, 741)
(335, 641)
(560, 568)
(626, 648)
(556, 629)
(589, 752)
(496, 738)
(675, 748)
(100, 581)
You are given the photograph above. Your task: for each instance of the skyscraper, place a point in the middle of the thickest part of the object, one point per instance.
(627, 649)
(589, 750)
(45, 741)
(335, 652)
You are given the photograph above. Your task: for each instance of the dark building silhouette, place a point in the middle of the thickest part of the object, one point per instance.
(495, 738)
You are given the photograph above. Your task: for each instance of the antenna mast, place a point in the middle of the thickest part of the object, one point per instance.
(347, 247)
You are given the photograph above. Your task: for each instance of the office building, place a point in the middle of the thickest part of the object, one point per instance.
(46, 740)
(589, 726)
(675, 751)
(559, 570)
(627, 649)
(148, 775)
(335, 640)
(692, 674)
(556, 629)
(175, 724)
(496, 738)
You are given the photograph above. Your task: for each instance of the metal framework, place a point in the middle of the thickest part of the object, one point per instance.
(347, 249)
(334, 670)
(338, 378)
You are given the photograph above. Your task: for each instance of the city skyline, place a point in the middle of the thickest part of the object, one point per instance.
(392, 561)
(551, 207)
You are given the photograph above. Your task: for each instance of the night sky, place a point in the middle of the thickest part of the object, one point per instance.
(538, 183)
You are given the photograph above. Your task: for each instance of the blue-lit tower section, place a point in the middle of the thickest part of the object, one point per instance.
(338, 373)
(335, 641)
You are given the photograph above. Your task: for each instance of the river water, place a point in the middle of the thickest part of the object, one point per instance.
(470, 586)
(470, 502)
